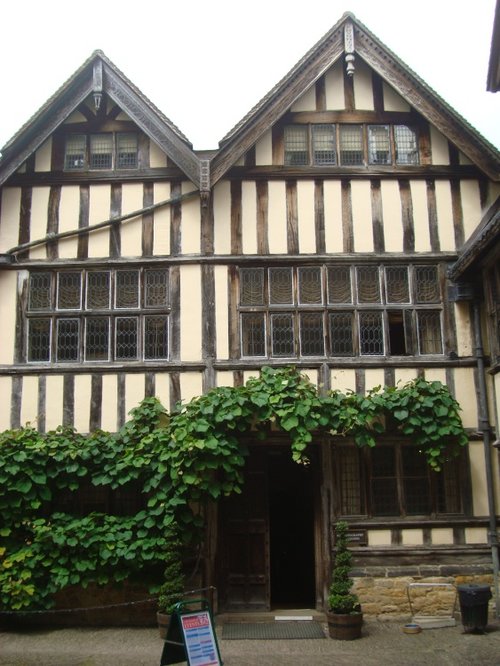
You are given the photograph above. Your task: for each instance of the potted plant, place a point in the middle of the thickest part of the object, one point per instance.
(172, 589)
(344, 614)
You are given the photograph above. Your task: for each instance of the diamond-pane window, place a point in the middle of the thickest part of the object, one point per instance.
(427, 284)
(339, 284)
(405, 140)
(155, 337)
(312, 341)
(126, 338)
(368, 284)
(253, 334)
(341, 333)
(296, 145)
(101, 151)
(252, 286)
(156, 288)
(310, 286)
(127, 289)
(98, 290)
(349, 480)
(371, 333)
(379, 144)
(397, 285)
(74, 155)
(69, 291)
(282, 335)
(68, 338)
(126, 150)
(280, 286)
(324, 144)
(40, 291)
(97, 339)
(39, 340)
(351, 145)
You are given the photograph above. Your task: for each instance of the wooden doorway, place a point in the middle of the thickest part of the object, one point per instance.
(266, 536)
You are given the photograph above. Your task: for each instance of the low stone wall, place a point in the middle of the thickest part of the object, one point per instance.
(386, 598)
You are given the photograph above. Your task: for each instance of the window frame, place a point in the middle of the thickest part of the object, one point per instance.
(44, 345)
(84, 159)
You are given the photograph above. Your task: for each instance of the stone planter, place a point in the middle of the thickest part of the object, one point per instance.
(344, 627)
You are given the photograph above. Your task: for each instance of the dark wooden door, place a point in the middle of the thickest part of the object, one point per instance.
(244, 542)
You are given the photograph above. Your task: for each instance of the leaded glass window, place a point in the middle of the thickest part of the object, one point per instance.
(126, 151)
(74, 157)
(379, 144)
(69, 288)
(68, 339)
(101, 151)
(282, 333)
(351, 145)
(324, 144)
(405, 140)
(311, 334)
(296, 145)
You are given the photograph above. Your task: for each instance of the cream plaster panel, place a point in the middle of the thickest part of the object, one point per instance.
(122, 115)
(334, 87)
(43, 156)
(277, 218)
(38, 220)
(157, 158)
(225, 378)
(343, 379)
(404, 375)
(464, 329)
(191, 385)
(5, 398)
(249, 217)
(476, 535)
(362, 216)
(9, 220)
(393, 100)
(478, 476)
(379, 537)
(131, 230)
(306, 102)
(222, 217)
(442, 536)
(420, 215)
(8, 289)
(75, 117)
(162, 389)
(465, 393)
(412, 537)
(305, 212)
(191, 222)
(445, 216)
(374, 377)
(134, 392)
(221, 311)
(83, 399)
(332, 195)
(29, 401)
(69, 211)
(463, 159)
(250, 374)
(161, 240)
(190, 307)
(54, 401)
(471, 205)
(109, 410)
(363, 87)
(99, 207)
(312, 376)
(264, 149)
(439, 147)
(435, 375)
(393, 218)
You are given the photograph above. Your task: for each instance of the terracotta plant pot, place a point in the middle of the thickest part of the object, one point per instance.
(344, 627)
(163, 621)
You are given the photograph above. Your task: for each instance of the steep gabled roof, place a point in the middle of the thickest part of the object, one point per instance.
(98, 73)
(390, 68)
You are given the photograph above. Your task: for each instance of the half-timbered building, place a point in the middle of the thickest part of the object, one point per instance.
(321, 234)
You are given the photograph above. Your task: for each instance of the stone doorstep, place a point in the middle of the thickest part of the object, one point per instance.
(270, 616)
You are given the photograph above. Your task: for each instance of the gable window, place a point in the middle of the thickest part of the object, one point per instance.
(101, 151)
(393, 479)
(97, 315)
(340, 310)
(350, 145)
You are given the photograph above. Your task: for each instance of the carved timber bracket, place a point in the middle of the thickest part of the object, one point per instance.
(349, 48)
(97, 84)
(205, 182)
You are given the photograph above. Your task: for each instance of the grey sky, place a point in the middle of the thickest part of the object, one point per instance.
(205, 64)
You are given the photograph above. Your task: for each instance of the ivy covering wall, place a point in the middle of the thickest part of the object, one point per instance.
(179, 461)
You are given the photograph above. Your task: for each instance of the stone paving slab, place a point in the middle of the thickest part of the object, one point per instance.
(382, 644)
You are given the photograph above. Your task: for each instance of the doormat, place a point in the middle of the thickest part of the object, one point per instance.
(259, 631)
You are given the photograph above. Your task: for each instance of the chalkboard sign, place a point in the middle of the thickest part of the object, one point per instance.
(191, 636)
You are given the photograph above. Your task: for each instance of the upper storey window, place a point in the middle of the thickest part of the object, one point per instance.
(350, 145)
(101, 151)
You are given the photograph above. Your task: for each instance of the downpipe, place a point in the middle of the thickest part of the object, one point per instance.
(485, 428)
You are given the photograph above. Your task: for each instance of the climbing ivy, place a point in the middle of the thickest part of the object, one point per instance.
(180, 461)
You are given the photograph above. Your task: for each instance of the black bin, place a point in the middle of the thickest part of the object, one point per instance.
(474, 606)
